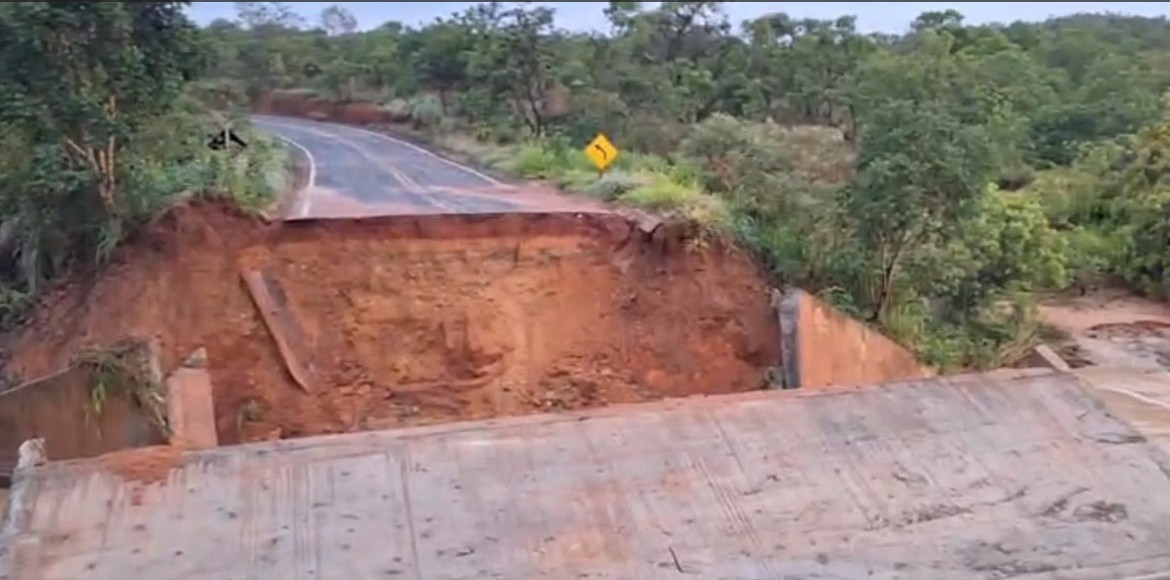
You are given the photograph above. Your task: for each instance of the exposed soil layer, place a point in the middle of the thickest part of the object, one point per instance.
(411, 320)
(300, 105)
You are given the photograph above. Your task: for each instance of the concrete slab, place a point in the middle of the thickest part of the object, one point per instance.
(1141, 397)
(190, 405)
(1023, 475)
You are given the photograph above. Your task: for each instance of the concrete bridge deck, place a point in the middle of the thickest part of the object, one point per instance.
(1021, 475)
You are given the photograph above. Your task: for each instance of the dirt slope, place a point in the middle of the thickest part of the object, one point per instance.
(422, 319)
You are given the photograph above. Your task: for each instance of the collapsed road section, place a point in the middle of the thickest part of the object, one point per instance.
(313, 327)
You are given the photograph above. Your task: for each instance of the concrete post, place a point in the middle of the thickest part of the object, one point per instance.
(190, 404)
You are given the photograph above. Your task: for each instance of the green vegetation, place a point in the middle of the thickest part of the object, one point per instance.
(100, 129)
(124, 365)
(934, 182)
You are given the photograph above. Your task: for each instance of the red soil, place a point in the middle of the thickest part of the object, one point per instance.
(412, 320)
(300, 105)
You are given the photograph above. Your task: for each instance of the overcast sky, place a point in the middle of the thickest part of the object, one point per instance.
(872, 16)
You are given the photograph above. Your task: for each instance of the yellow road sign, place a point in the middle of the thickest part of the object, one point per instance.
(601, 152)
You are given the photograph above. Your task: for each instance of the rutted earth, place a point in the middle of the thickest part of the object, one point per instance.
(421, 319)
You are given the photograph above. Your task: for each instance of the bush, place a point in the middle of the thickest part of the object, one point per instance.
(53, 223)
(660, 193)
(426, 112)
(536, 161)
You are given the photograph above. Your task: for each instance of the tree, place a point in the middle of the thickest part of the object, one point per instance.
(921, 171)
(442, 57)
(513, 60)
(338, 21)
(83, 76)
(268, 15)
(83, 82)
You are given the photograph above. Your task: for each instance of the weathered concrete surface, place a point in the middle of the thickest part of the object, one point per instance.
(60, 409)
(787, 310)
(1139, 396)
(190, 404)
(824, 348)
(993, 476)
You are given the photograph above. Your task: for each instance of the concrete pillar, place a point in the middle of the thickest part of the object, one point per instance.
(786, 304)
(190, 406)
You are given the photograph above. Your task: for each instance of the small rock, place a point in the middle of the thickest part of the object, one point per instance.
(197, 359)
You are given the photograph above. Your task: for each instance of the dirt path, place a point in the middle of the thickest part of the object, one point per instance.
(1112, 329)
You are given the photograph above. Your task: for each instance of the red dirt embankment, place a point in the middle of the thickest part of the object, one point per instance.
(301, 105)
(412, 320)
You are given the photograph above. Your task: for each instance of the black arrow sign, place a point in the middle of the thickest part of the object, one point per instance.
(220, 141)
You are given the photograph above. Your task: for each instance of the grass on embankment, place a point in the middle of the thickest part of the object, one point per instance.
(634, 180)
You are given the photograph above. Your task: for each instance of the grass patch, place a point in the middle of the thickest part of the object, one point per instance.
(636, 180)
(124, 367)
(660, 193)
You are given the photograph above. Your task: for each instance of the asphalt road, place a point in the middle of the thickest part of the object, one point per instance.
(371, 168)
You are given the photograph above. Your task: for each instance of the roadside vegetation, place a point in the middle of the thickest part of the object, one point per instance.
(101, 128)
(935, 183)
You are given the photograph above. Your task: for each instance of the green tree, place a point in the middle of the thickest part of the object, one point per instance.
(338, 21)
(83, 82)
(81, 78)
(920, 171)
(513, 61)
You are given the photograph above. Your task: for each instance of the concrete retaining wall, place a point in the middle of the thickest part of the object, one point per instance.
(59, 409)
(823, 348)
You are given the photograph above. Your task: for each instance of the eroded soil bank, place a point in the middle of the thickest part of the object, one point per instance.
(412, 320)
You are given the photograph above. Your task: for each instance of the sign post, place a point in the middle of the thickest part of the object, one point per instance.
(225, 139)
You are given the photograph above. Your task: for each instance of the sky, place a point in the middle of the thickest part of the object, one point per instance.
(584, 16)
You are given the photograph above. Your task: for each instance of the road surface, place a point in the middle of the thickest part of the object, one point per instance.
(365, 172)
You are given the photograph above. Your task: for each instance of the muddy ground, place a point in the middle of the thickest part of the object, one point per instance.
(1110, 328)
(413, 320)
